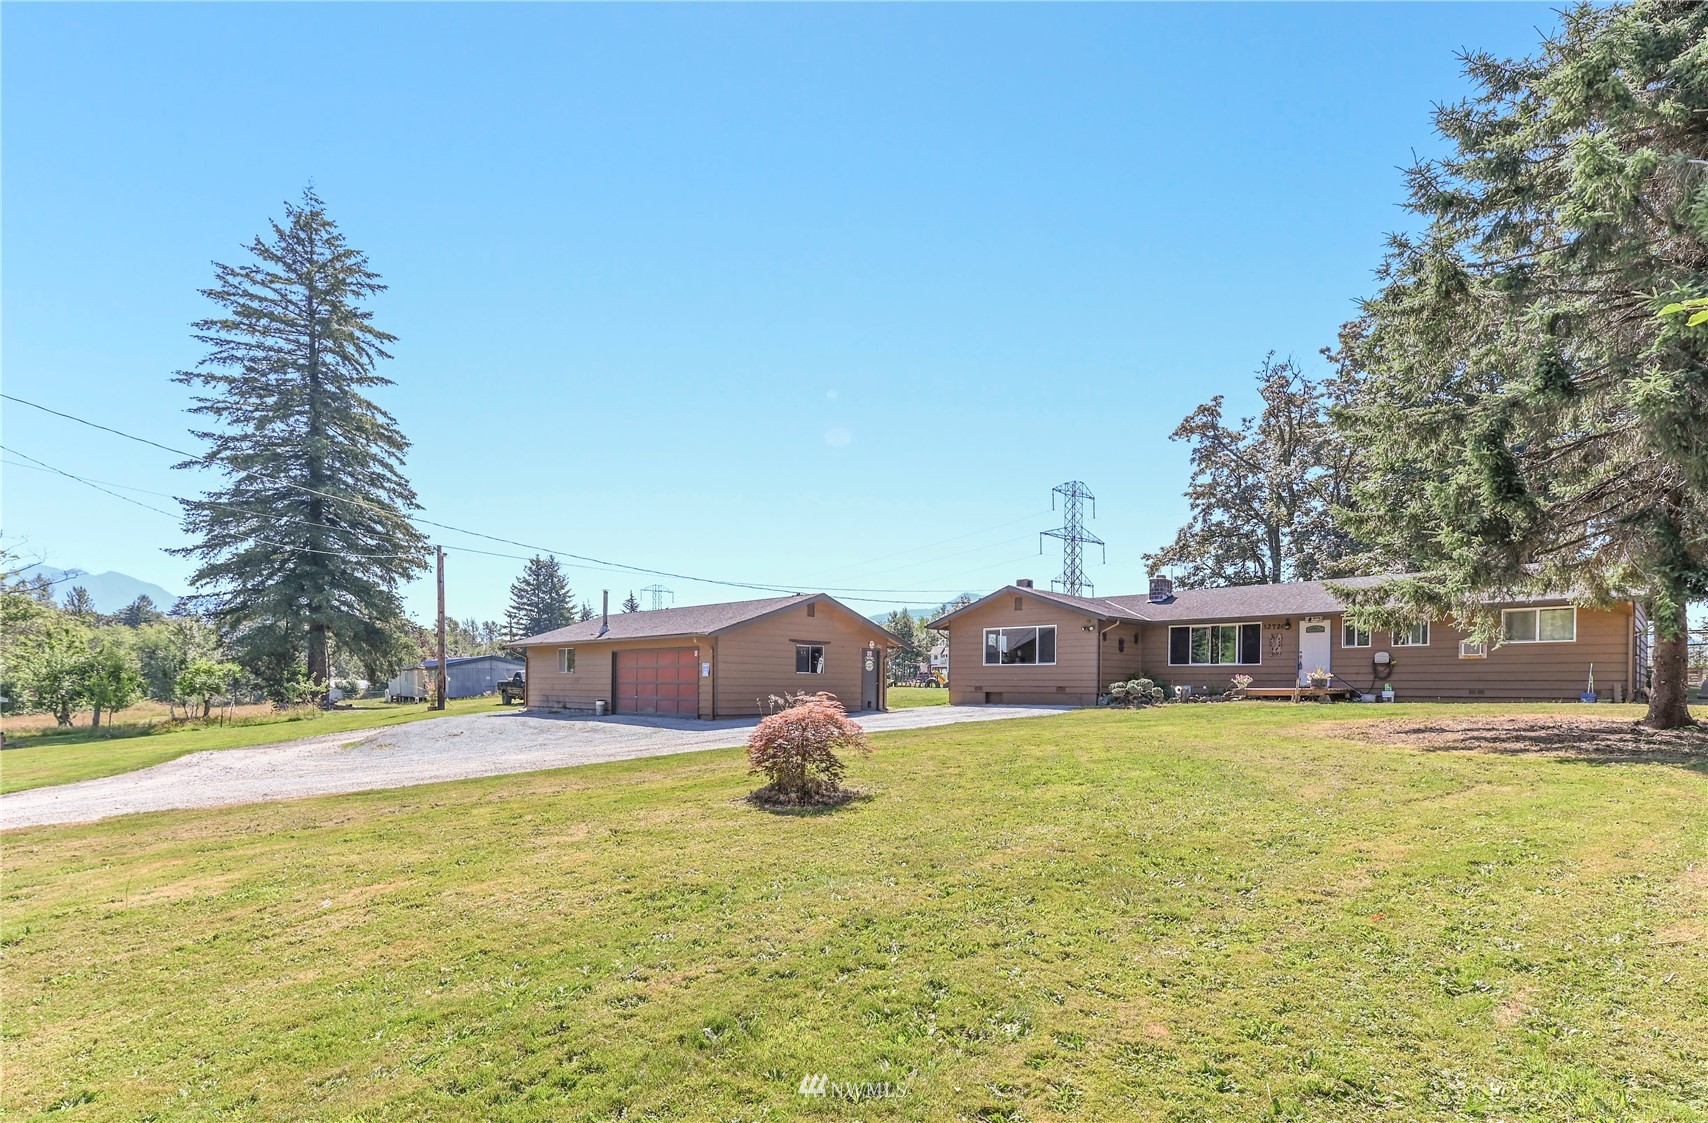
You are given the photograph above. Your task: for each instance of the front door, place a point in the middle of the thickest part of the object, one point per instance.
(1314, 649)
(871, 668)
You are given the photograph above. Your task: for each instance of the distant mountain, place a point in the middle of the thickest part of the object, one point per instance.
(109, 591)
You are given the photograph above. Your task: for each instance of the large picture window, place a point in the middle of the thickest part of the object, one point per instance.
(1539, 625)
(1209, 645)
(1015, 646)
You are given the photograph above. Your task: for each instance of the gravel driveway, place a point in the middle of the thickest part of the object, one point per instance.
(422, 752)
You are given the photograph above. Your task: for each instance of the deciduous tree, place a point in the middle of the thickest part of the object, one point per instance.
(1264, 491)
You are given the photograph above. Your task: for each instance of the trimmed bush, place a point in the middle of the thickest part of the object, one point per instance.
(796, 750)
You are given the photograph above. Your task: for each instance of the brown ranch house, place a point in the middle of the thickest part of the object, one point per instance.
(710, 660)
(1029, 646)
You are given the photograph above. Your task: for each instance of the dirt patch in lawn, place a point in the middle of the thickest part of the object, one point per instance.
(1609, 738)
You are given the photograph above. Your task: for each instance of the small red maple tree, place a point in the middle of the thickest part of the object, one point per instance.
(795, 749)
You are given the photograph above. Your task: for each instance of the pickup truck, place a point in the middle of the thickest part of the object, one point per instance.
(513, 689)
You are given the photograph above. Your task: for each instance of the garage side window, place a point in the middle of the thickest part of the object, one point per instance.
(809, 659)
(565, 660)
(1031, 646)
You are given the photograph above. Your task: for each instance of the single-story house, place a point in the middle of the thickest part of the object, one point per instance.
(1027, 645)
(711, 660)
(466, 677)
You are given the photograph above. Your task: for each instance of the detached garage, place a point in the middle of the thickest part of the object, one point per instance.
(710, 660)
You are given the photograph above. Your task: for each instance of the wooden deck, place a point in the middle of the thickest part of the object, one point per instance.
(1301, 693)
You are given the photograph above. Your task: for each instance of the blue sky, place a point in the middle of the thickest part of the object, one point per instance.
(826, 296)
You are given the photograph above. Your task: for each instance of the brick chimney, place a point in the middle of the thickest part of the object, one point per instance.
(1162, 590)
(1023, 583)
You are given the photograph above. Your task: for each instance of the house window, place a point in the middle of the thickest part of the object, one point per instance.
(812, 610)
(1351, 635)
(809, 659)
(1019, 603)
(1008, 646)
(1471, 649)
(1415, 636)
(1539, 625)
(565, 660)
(1204, 645)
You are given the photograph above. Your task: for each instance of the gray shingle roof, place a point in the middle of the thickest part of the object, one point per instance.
(1294, 598)
(1234, 602)
(689, 620)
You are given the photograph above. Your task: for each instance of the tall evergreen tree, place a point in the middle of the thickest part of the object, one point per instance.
(1264, 492)
(1531, 423)
(630, 604)
(540, 600)
(309, 537)
(79, 603)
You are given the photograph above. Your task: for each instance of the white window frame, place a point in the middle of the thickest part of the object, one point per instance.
(566, 660)
(1258, 662)
(1505, 634)
(813, 668)
(1404, 639)
(1055, 639)
(1472, 649)
(1348, 626)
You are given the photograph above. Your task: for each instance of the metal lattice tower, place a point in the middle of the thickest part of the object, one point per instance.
(1074, 537)
(658, 594)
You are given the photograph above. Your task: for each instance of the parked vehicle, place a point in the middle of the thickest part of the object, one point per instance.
(513, 689)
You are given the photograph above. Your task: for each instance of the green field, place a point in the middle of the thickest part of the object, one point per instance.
(37, 759)
(908, 697)
(1206, 912)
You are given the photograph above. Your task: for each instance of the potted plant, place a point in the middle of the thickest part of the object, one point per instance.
(1319, 678)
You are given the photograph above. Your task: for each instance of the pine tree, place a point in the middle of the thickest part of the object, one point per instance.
(540, 600)
(630, 604)
(1532, 424)
(80, 604)
(914, 640)
(309, 537)
(1263, 493)
(585, 612)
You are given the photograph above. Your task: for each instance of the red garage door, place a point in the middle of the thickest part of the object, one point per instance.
(658, 682)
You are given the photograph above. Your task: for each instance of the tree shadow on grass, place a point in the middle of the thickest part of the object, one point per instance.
(827, 804)
(1587, 739)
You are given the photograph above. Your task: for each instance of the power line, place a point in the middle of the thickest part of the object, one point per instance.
(176, 514)
(596, 561)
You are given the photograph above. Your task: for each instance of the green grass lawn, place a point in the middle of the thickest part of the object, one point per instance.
(34, 760)
(1205, 912)
(907, 697)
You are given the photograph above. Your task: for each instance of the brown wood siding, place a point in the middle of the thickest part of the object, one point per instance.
(591, 679)
(757, 660)
(1071, 682)
(1514, 672)
(1277, 666)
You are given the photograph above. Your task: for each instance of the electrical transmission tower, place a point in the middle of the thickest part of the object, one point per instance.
(658, 594)
(1074, 537)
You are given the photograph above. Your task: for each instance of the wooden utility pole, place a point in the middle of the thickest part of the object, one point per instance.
(443, 676)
